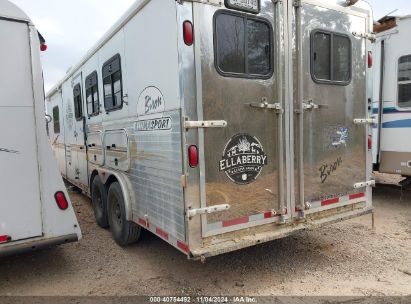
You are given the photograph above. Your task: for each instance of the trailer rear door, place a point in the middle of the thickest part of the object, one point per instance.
(238, 54)
(330, 94)
(20, 205)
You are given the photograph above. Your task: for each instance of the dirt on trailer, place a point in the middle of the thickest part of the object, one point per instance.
(348, 258)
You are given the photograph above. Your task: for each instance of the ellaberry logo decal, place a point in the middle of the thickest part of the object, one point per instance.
(243, 159)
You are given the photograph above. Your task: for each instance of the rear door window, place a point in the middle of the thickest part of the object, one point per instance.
(404, 82)
(243, 45)
(330, 58)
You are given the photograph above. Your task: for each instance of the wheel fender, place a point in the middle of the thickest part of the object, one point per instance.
(128, 193)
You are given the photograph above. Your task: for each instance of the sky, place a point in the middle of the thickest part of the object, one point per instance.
(72, 27)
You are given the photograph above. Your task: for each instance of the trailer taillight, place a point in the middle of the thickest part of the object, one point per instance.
(4, 239)
(369, 59)
(193, 156)
(43, 47)
(369, 142)
(61, 200)
(188, 33)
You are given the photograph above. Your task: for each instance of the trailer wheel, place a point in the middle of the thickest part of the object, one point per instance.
(99, 201)
(124, 232)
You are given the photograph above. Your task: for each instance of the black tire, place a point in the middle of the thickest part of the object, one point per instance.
(123, 231)
(99, 201)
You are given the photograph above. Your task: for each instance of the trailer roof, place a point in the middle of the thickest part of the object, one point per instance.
(129, 14)
(9, 10)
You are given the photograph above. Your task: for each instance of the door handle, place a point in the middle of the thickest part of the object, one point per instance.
(310, 105)
(265, 105)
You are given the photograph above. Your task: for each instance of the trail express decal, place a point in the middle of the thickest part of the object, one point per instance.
(243, 159)
(159, 124)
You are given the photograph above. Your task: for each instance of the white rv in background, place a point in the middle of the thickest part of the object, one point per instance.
(35, 211)
(392, 96)
(218, 125)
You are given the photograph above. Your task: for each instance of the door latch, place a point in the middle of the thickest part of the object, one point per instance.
(265, 105)
(205, 124)
(370, 36)
(365, 184)
(310, 105)
(208, 210)
(370, 121)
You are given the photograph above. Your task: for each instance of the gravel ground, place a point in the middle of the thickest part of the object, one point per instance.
(347, 258)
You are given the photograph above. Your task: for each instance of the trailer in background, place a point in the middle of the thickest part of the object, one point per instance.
(392, 96)
(218, 125)
(35, 211)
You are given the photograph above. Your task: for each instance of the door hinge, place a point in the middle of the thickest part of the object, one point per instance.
(205, 124)
(370, 36)
(297, 3)
(369, 121)
(208, 210)
(211, 2)
(364, 184)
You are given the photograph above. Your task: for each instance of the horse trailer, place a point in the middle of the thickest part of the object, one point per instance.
(392, 92)
(35, 211)
(218, 125)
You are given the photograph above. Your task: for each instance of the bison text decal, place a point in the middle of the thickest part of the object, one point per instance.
(151, 101)
(327, 169)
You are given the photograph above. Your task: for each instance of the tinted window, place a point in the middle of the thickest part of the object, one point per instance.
(78, 109)
(322, 56)
(404, 95)
(93, 104)
(112, 84)
(258, 47)
(56, 120)
(404, 82)
(331, 58)
(404, 68)
(243, 45)
(230, 43)
(341, 58)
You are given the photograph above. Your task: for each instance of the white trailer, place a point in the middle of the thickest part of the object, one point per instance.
(35, 211)
(392, 92)
(220, 125)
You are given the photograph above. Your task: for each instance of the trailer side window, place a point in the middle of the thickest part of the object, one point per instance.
(56, 120)
(78, 105)
(243, 45)
(112, 84)
(404, 82)
(330, 58)
(92, 100)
